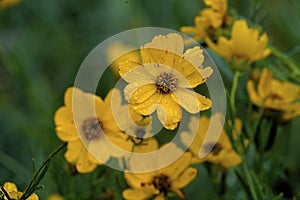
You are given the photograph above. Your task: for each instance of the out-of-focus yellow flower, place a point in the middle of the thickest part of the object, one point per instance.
(94, 118)
(55, 197)
(245, 44)
(209, 19)
(12, 191)
(275, 95)
(163, 78)
(221, 152)
(161, 182)
(8, 3)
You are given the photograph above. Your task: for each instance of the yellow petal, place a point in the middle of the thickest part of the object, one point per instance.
(126, 65)
(8, 3)
(84, 165)
(98, 152)
(152, 56)
(67, 132)
(196, 78)
(118, 51)
(172, 42)
(185, 178)
(194, 56)
(177, 167)
(289, 92)
(264, 86)
(168, 112)
(223, 47)
(139, 74)
(73, 151)
(106, 117)
(135, 180)
(55, 197)
(254, 97)
(192, 80)
(143, 93)
(33, 197)
(204, 102)
(120, 140)
(69, 95)
(230, 159)
(10, 187)
(161, 196)
(149, 105)
(188, 30)
(288, 115)
(63, 116)
(187, 99)
(239, 35)
(139, 194)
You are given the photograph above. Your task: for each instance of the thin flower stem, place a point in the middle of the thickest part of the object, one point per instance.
(249, 181)
(37, 172)
(233, 91)
(286, 60)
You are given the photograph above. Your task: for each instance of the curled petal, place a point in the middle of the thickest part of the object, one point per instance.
(185, 178)
(168, 112)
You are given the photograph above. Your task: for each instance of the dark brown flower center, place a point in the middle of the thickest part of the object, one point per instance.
(166, 82)
(275, 97)
(213, 148)
(162, 183)
(91, 129)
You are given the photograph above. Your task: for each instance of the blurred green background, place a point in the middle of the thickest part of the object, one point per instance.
(43, 44)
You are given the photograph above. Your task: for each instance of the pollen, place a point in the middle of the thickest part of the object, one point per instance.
(166, 82)
(162, 183)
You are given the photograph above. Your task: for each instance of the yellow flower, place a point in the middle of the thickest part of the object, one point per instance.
(12, 191)
(163, 79)
(217, 5)
(209, 19)
(275, 95)
(245, 43)
(161, 182)
(199, 31)
(8, 3)
(55, 197)
(94, 120)
(221, 152)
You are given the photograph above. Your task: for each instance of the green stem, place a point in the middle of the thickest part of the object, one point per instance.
(233, 91)
(249, 181)
(289, 62)
(45, 163)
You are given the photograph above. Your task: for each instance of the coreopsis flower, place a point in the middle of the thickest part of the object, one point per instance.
(8, 3)
(218, 151)
(163, 80)
(275, 95)
(209, 19)
(245, 44)
(160, 183)
(94, 123)
(12, 191)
